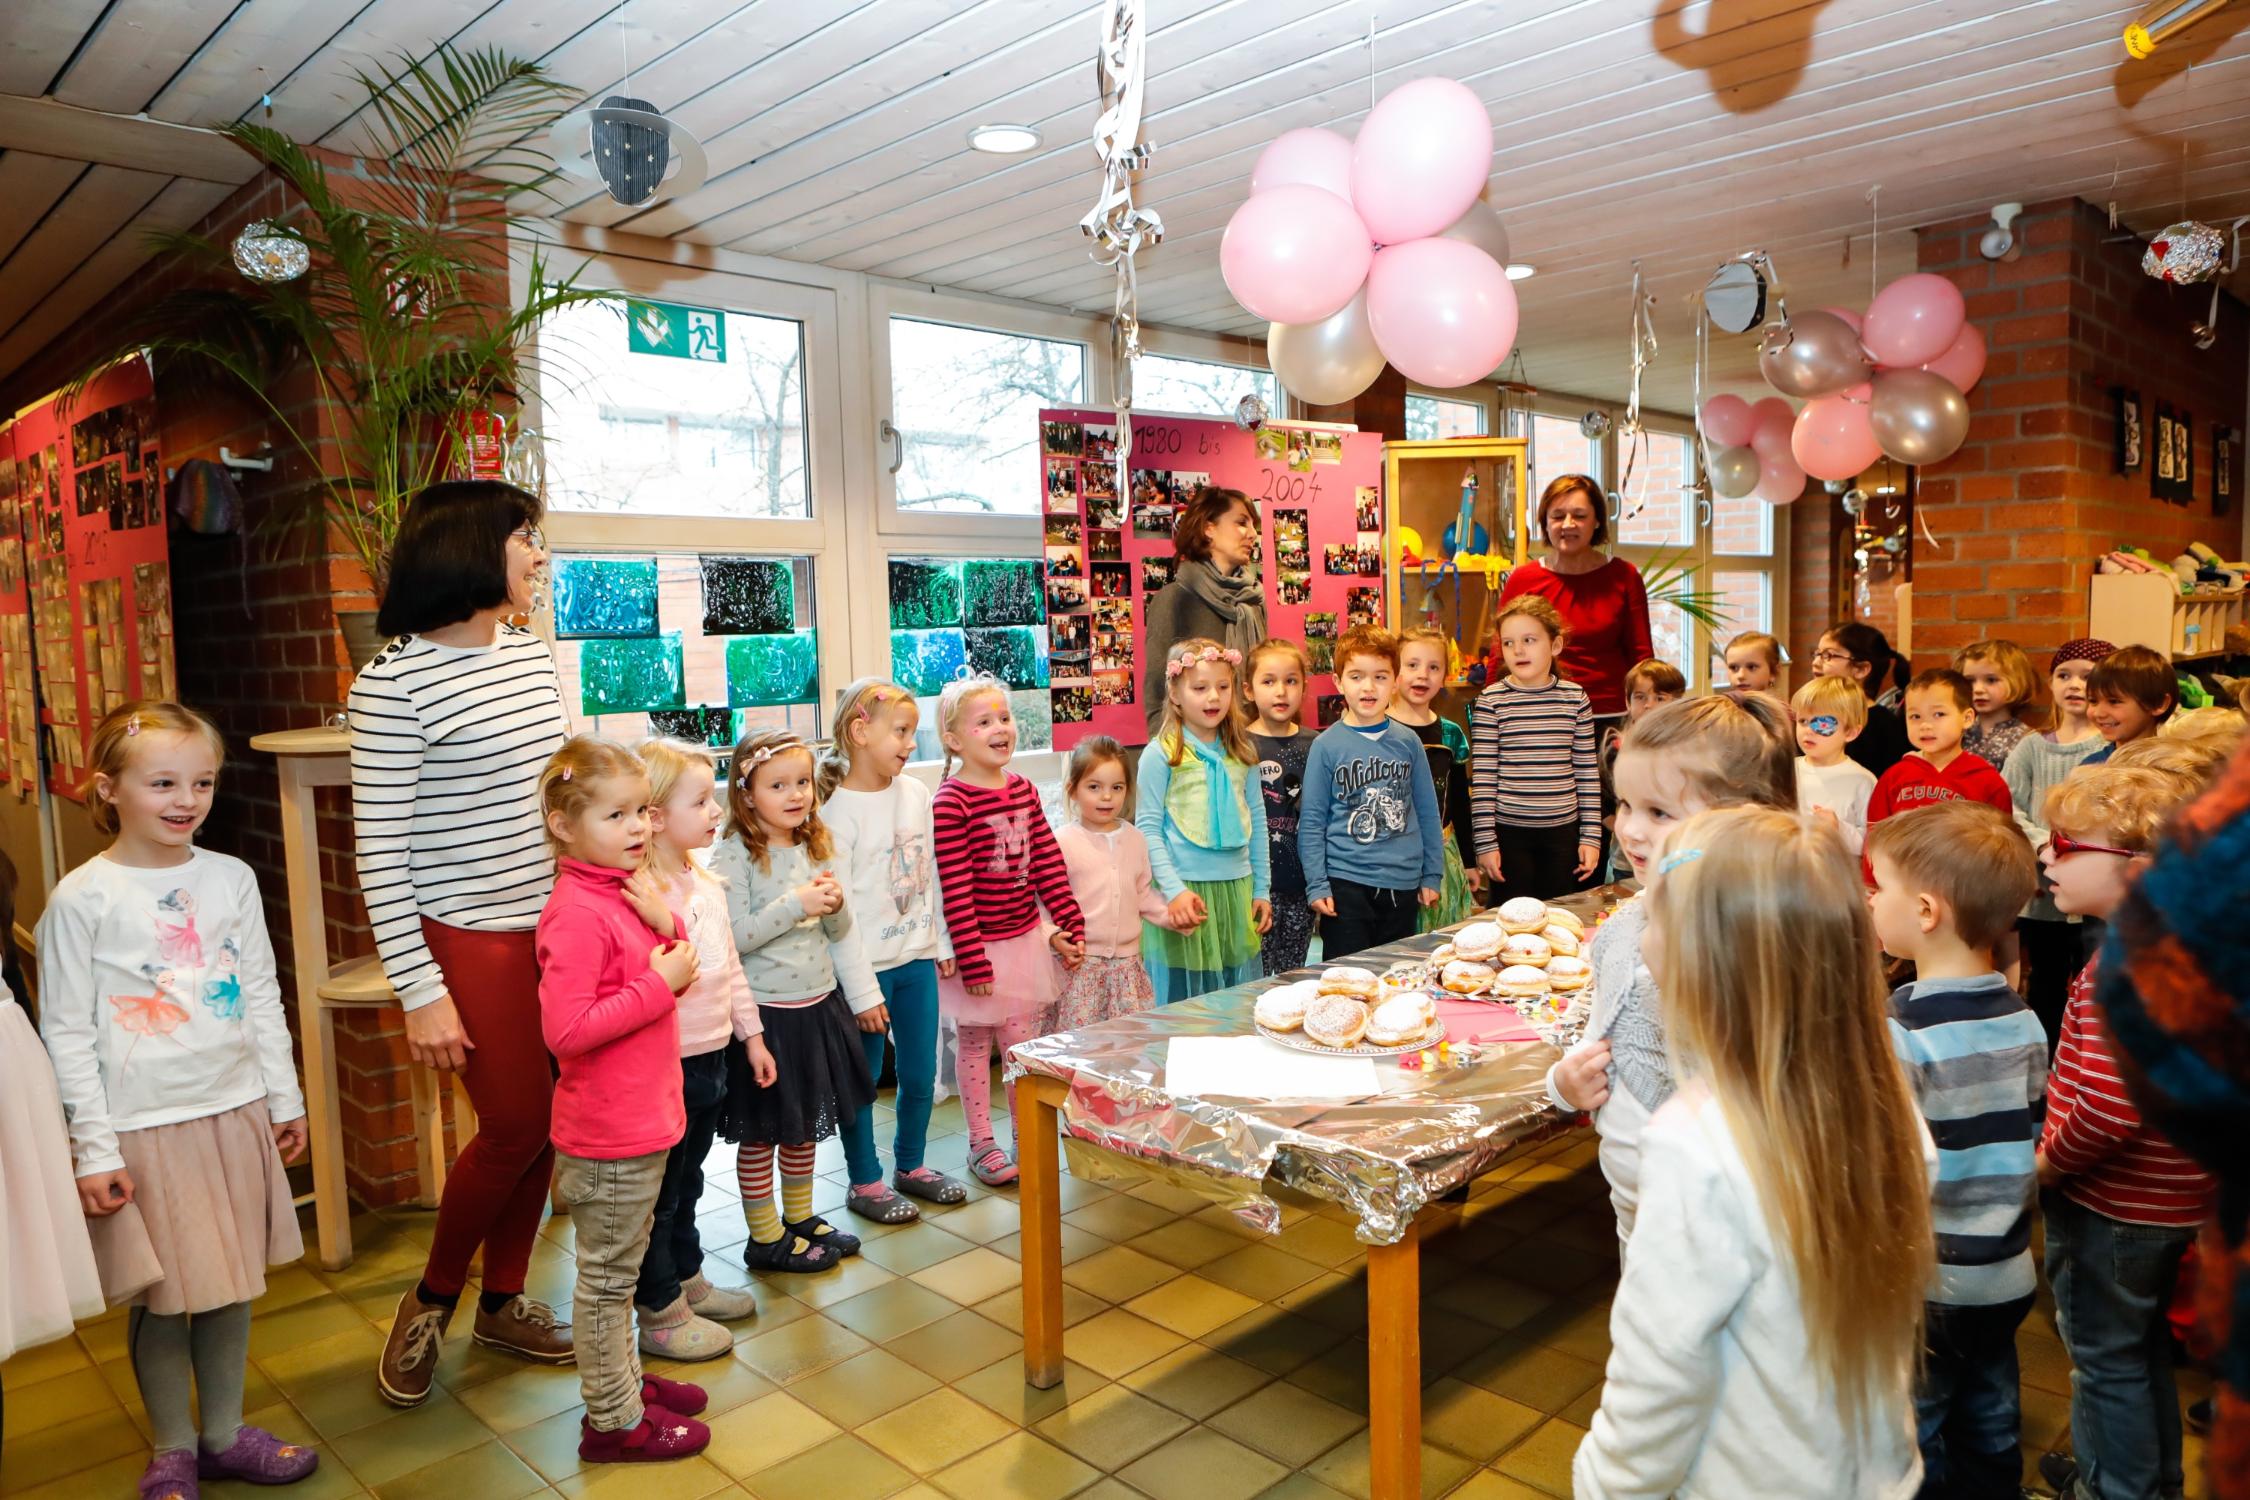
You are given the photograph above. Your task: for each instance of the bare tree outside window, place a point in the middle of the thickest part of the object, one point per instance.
(1430, 417)
(1199, 387)
(966, 403)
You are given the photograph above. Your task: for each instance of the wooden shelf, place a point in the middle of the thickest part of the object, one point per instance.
(1422, 490)
(2148, 609)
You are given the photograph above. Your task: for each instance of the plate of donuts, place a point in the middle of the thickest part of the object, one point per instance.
(1347, 1012)
(1529, 956)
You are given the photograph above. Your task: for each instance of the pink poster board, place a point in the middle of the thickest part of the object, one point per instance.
(1319, 500)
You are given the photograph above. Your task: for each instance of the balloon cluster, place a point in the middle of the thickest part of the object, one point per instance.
(1379, 249)
(1886, 385)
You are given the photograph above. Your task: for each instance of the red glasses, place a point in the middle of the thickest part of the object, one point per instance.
(2065, 846)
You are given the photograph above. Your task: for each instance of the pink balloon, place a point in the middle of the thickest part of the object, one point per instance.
(1772, 422)
(1851, 319)
(1833, 439)
(1962, 362)
(1779, 481)
(1913, 320)
(1295, 254)
(1315, 158)
(1727, 421)
(1443, 312)
(1420, 160)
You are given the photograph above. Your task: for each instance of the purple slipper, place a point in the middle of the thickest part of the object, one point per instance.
(170, 1476)
(258, 1457)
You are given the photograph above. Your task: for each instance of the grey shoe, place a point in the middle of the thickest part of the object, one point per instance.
(677, 1333)
(724, 1304)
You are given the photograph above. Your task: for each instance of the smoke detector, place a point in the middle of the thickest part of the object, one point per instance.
(1999, 241)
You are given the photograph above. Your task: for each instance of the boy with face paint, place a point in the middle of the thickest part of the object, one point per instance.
(1830, 713)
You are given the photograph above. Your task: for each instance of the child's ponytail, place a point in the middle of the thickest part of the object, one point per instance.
(859, 702)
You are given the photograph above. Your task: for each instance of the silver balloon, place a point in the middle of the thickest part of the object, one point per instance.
(1919, 418)
(1328, 362)
(1481, 227)
(1822, 357)
(1734, 471)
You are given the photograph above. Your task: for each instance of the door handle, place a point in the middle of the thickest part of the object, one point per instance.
(897, 439)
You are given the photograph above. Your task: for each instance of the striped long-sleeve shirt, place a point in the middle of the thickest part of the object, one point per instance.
(1977, 1058)
(447, 746)
(1531, 761)
(2113, 1162)
(998, 863)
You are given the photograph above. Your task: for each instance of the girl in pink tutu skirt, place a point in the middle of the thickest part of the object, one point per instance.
(1110, 879)
(162, 1013)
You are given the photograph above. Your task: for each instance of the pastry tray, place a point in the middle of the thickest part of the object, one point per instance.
(1297, 1041)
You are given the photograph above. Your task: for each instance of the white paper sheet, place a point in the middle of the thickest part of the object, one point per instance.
(1250, 1067)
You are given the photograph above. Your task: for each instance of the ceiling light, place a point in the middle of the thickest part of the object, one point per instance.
(1518, 271)
(1004, 140)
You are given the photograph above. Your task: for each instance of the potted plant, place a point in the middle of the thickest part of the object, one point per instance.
(402, 319)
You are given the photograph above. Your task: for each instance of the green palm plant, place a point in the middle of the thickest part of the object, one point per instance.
(1669, 576)
(404, 320)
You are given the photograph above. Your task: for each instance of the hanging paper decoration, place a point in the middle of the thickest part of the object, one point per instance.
(269, 253)
(2185, 253)
(1119, 227)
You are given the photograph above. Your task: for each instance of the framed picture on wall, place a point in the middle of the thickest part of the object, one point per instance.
(2226, 468)
(2171, 470)
(2127, 405)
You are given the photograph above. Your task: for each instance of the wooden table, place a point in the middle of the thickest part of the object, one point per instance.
(1394, 1270)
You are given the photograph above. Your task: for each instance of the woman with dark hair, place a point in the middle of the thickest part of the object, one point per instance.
(451, 725)
(1854, 649)
(1602, 600)
(1210, 595)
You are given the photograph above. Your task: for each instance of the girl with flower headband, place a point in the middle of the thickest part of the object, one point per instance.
(815, 990)
(1203, 813)
(998, 864)
(879, 818)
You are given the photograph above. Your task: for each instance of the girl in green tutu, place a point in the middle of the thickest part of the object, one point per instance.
(1204, 816)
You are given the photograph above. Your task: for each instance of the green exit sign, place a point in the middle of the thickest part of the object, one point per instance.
(676, 331)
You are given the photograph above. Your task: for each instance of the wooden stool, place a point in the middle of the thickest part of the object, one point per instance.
(312, 758)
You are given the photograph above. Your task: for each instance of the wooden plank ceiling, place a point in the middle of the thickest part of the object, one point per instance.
(1677, 132)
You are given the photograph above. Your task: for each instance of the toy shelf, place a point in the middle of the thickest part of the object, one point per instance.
(1422, 494)
(2148, 609)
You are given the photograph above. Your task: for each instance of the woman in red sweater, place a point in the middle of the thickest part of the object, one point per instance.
(1603, 603)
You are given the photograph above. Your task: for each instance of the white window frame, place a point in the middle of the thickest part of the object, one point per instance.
(1486, 396)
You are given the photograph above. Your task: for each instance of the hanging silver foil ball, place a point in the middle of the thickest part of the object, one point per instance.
(265, 253)
(1594, 426)
(2185, 253)
(1250, 413)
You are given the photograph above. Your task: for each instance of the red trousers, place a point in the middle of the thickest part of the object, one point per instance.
(498, 1186)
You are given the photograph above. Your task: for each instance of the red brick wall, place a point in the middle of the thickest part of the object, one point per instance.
(2032, 499)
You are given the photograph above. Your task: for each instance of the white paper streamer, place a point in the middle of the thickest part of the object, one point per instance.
(1117, 225)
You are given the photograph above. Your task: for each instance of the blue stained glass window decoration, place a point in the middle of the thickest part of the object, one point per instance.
(1016, 654)
(631, 677)
(925, 593)
(748, 596)
(772, 671)
(1002, 591)
(605, 598)
(924, 661)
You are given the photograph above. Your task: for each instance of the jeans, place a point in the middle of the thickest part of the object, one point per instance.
(1367, 916)
(2113, 1282)
(611, 1204)
(910, 990)
(1968, 1407)
(675, 1251)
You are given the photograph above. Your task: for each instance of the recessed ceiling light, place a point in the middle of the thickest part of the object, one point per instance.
(1004, 140)
(1518, 271)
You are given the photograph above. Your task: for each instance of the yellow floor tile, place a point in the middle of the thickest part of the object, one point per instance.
(971, 1278)
(1117, 1341)
(687, 1479)
(1196, 1381)
(1273, 1340)
(81, 1392)
(1191, 1306)
(763, 1433)
(1471, 1421)
(1486, 1484)
(306, 1322)
(1202, 1465)
(1001, 1386)
(1111, 1427)
(1076, 1245)
(907, 1252)
(827, 1288)
(1021, 1467)
(1288, 1423)
(1260, 1271)
(940, 1428)
(983, 1220)
(862, 1387)
(954, 1346)
(1119, 1273)
(331, 1481)
(119, 1476)
(1119, 1218)
(1542, 1379)
(797, 1349)
(354, 1351)
(892, 1310)
(1187, 1244)
(532, 1394)
(1543, 1459)
(1345, 1467)
(32, 1366)
(550, 1446)
(843, 1468)
(487, 1472)
(439, 1428)
(1007, 1308)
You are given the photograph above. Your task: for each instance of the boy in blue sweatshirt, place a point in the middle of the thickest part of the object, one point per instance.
(1369, 830)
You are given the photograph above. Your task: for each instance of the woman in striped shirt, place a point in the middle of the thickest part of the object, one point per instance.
(1535, 789)
(451, 725)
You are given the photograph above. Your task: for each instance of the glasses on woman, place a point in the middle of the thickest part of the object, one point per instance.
(2064, 846)
(530, 536)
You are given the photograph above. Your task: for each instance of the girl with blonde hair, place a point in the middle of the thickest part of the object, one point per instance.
(2003, 691)
(1768, 1323)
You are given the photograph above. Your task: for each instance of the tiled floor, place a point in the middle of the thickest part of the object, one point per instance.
(1206, 1363)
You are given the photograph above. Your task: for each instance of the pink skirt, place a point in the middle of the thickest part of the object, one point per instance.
(211, 1210)
(1100, 989)
(1023, 981)
(48, 1280)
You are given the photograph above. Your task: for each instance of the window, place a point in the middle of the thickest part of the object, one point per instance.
(659, 408)
(953, 617)
(1654, 509)
(966, 403)
(1199, 387)
(1557, 448)
(701, 647)
(1436, 417)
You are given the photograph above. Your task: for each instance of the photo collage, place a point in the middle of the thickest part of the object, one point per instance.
(1089, 582)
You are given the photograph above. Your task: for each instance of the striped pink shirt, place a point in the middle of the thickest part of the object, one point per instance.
(2113, 1162)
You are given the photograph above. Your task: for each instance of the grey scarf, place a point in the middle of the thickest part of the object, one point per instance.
(1241, 602)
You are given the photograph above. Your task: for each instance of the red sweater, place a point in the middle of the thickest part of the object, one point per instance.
(2113, 1163)
(609, 1018)
(998, 863)
(1914, 782)
(1606, 615)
